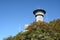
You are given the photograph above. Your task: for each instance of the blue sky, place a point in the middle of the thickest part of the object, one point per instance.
(14, 14)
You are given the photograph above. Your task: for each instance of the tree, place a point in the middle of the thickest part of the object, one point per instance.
(9, 38)
(40, 31)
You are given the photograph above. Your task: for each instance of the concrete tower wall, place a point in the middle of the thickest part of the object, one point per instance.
(39, 14)
(39, 18)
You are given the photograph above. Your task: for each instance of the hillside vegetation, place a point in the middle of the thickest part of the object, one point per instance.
(39, 31)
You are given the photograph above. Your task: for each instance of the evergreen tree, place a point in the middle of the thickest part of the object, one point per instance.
(40, 31)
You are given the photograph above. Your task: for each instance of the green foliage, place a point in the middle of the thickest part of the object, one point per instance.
(9, 38)
(40, 31)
